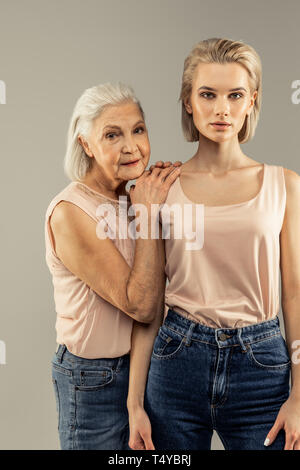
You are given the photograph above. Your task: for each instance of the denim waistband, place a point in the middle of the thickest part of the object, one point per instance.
(113, 362)
(221, 337)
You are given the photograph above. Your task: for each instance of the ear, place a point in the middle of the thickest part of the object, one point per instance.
(253, 98)
(85, 146)
(187, 106)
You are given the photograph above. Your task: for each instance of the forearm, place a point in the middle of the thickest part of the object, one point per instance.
(143, 287)
(291, 314)
(142, 340)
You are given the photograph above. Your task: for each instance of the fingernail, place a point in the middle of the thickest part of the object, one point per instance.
(267, 442)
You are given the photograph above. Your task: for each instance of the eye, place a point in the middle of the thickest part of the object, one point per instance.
(240, 95)
(206, 93)
(111, 135)
(139, 130)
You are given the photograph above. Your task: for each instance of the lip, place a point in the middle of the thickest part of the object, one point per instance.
(132, 163)
(220, 124)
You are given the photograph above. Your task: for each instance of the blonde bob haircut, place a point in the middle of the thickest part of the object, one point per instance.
(88, 107)
(222, 51)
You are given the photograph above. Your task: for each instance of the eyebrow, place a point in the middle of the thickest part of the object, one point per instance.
(113, 126)
(213, 89)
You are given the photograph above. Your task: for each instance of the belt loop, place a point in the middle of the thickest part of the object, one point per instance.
(239, 334)
(189, 334)
(60, 352)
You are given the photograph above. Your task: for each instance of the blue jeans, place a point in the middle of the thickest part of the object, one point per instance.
(201, 379)
(91, 397)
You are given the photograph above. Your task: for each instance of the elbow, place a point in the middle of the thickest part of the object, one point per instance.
(143, 314)
(146, 316)
(138, 304)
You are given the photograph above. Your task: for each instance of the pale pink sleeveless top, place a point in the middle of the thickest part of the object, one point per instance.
(87, 324)
(233, 280)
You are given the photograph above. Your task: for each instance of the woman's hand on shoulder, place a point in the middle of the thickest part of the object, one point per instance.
(153, 185)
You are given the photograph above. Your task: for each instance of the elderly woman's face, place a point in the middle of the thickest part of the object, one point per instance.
(119, 142)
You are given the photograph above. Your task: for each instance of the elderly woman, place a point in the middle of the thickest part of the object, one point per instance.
(102, 285)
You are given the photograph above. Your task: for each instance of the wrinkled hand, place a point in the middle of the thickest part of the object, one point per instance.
(288, 419)
(140, 430)
(161, 164)
(152, 186)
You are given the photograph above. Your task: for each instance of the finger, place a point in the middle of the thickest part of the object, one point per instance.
(171, 177)
(289, 443)
(297, 445)
(178, 163)
(136, 443)
(144, 175)
(156, 171)
(149, 445)
(148, 441)
(271, 436)
(159, 163)
(166, 171)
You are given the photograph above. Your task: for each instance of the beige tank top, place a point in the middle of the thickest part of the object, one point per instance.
(87, 324)
(233, 279)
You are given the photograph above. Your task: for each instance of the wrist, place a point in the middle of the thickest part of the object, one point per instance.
(134, 404)
(295, 392)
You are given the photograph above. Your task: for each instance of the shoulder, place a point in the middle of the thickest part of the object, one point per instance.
(292, 180)
(292, 184)
(68, 217)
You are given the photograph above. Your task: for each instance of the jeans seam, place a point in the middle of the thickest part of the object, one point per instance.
(173, 354)
(215, 378)
(227, 382)
(263, 338)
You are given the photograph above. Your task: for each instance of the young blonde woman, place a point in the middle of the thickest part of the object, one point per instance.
(103, 285)
(219, 361)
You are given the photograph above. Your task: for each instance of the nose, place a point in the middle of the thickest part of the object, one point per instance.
(221, 107)
(130, 145)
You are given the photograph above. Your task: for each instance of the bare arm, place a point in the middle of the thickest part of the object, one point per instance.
(290, 270)
(142, 340)
(100, 264)
(288, 417)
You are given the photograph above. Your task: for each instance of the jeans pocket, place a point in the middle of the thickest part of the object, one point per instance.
(93, 380)
(55, 386)
(271, 353)
(168, 343)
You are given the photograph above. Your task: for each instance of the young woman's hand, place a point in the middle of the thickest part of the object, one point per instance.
(140, 430)
(288, 419)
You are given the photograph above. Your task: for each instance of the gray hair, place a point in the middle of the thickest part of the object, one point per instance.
(88, 107)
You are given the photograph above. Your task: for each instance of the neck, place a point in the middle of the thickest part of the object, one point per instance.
(113, 190)
(217, 157)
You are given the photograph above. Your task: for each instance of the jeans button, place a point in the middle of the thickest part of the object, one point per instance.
(222, 336)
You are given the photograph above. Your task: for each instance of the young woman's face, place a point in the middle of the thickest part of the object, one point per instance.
(119, 136)
(220, 92)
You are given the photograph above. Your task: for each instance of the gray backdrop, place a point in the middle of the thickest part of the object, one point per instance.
(50, 51)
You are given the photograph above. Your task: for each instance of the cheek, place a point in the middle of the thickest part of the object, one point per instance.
(240, 109)
(145, 148)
